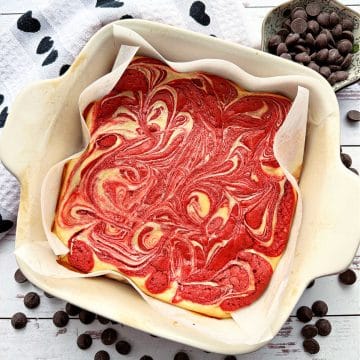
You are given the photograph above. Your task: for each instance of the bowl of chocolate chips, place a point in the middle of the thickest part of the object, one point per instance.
(322, 35)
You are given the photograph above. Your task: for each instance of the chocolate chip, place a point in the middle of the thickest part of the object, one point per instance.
(229, 357)
(286, 56)
(292, 39)
(103, 320)
(346, 159)
(273, 42)
(348, 277)
(48, 295)
(333, 56)
(309, 331)
(283, 33)
(72, 310)
(304, 314)
(337, 31)
(344, 46)
(313, 9)
(31, 300)
(314, 66)
(311, 346)
(19, 320)
(354, 171)
(325, 71)
(334, 68)
(299, 25)
(353, 115)
(347, 24)
(123, 347)
(102, 355)
(302, 58)
(329, 37)
(311, 284)
(146, 357)
(309, 40)
(282, 48)
(313, 27)
(286, 24)
(84, 341)
(324, 327)
(322, 56)
(323, 19)
(334, 19)
(19, 277)
(348, 35)
(321, 41)
(332, 79)
(109, 336)
(300, 48)
(299, 13)
(60, 319)
(313, 56)
(319, 308)
(340, 75)
(347, 61)
(181, 356)
(86, 317)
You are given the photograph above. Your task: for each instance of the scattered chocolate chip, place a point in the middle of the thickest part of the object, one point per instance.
(282, 48)
(299, 13)
(309, 40)
(334, 68)
(341, 75)
(304, 314)
(18, 320)
(325, 71)
(354, 171)
(181, 356)
(344, 46)
(283, 33)
(123, 347)
(321, 41)
(311, 346)
(346, 159)
(300, 49)
(19, 277)
(86, 317)
(323, 326)
(313, 27)
(146, 357)
(322, 56)
(48, 295)
(298, 25)
(60, 319)
(313, 9)
(347, 24)
(353, 115)
(311, 284)
(346, 62)
(274, 42)
(102, 355)
(302, 57)
(319, 308)
(309, 331)
(109, 336)
(337, 31)
(286, 56)
(103, 320)
(348, 35)
(292, 39)
(84, 341)
(332, 79)
(348, 277)
(333, 56)
(72, 310)
(334, 19)
(31, 300)
(323, 19)
(314, 66)
(286, 24)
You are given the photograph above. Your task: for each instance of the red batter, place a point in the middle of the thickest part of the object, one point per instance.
(179, 188)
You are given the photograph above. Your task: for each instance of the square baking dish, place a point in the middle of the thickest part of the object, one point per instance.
(45, 115)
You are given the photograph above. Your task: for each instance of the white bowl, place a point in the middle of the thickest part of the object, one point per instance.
(45, 115)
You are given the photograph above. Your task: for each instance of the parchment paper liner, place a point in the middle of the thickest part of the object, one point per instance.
(254, 321)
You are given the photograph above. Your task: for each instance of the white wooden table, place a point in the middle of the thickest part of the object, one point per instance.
(42, 340)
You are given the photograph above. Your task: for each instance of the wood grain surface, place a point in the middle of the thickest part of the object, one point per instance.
(42, 340)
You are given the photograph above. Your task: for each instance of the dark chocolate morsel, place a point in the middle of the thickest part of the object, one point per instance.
(319, 308)
(230, 357)
(292, 39)
(102, 355)
(299, 25)
(353, 115)
(346, 159)
(283, 33)
(19, 277)
(282, 48)
(334, 19)
(109, 336)
(299, 13)
(72, 310)
(181, 356)
(337, 31)
(314, 66)
(86, 317)
(146, 357)
(334, 68)
(344, 46)
(19, 320)
(286, 56)
(324, 327)
(273, 42)
(303, 58)
(333, 56)
(311, 346)
(341, 75)
(300, 48)
(325, 71)
(286, 24)
(31, 300)
(309, 40)
(123, 347)
(313, 9)
(347, 24)
(304, 314)
(323, 19)
(346, 62)
(321, 41)
(309, 331)
(348, 35)
(348, 277)
(332, 79)
(329, 37)
(60, 319)
(84, 341)
(311, 284)
(313, 27)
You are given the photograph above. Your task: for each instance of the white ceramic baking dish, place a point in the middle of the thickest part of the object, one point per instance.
(45, 115)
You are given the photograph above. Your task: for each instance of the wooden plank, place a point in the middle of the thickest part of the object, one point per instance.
(42, 340)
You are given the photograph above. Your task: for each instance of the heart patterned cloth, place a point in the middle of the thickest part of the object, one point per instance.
(44, 42)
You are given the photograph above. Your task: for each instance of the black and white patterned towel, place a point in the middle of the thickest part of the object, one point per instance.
(44, 42)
